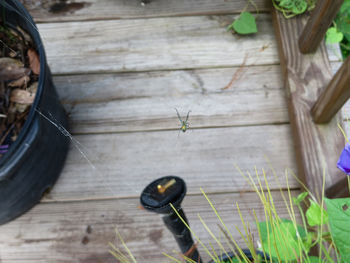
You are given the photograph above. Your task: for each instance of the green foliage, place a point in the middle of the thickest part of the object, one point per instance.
(313, 259)
(295, 6)
(233, 260)
(282, 239)
(291, 8)
(245, 24)
(340, 31)
(339, 220)
(300, 198)
(334, 36)
(316, 215)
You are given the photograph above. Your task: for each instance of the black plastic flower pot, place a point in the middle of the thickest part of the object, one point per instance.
(35, 160)
(226, 258)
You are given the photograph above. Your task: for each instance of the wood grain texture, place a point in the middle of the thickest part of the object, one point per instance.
(154, 44)
(139, 101)
(75, 10)
(317, 146)
(125, 163)
(80, 231)
(145, 101)
(316, 27)
(333, 96)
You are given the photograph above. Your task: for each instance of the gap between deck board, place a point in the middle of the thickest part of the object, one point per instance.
(95, 88)
(80, 232)
(48, 198)
(120, 9)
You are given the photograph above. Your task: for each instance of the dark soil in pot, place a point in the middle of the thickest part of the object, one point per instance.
(35, 159)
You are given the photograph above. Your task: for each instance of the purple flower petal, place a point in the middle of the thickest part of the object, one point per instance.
(344, 160)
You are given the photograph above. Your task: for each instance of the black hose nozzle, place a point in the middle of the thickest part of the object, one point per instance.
(157, 197)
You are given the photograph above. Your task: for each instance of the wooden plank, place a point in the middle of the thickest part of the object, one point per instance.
(146, 101)
(50, 10)
(122, 102)
(317, 146)
(96, 88)
(80, 231)
(333, 96)
(320, 20)
(154, 44)
(126, 162)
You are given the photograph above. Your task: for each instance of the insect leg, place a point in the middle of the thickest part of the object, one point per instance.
(188, 114)
(178, 115)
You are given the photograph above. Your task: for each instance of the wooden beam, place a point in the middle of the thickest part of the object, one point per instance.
(317, 146)
(334, 96)
(316, 27)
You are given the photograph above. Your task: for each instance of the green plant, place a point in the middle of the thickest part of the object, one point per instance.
(339, 32)
(245, 24)
(283, 240)
(325, 224)
(291, 8)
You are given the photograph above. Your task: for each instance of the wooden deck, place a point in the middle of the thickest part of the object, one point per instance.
(120, 69)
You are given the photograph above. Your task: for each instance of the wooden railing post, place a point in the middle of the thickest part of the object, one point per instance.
(317, 147)
(317, 25)
(334, 96)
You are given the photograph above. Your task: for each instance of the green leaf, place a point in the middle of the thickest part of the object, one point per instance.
(288, 4)
(313, 259)
(245, 24)
(333, 36)
(344, 28)
(234, 260)
(281, 240)
(343, 23)
(308, 240)
(299, 7)
(345, 7)
(339, 220)
(300, 198)
(295, 6)
(316, 215)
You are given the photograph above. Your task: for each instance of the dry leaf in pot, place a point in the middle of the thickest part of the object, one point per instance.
(22, 96)
(23, 81)
(12, 69)
(34, 61)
